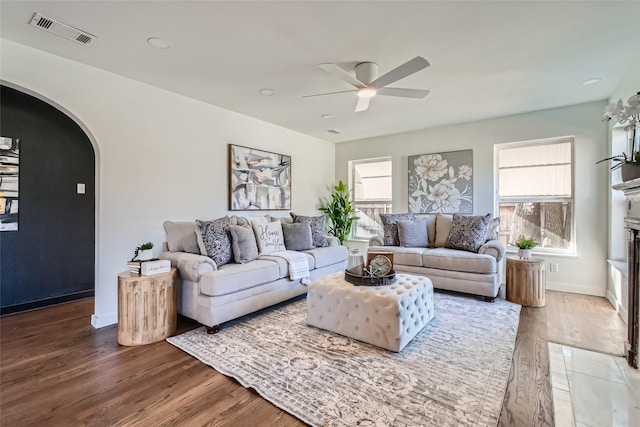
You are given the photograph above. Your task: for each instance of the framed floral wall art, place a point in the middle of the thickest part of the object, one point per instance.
(259, 180)
(441, 182)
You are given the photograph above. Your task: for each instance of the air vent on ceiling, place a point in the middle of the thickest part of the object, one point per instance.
(334, 131)
(60, 29)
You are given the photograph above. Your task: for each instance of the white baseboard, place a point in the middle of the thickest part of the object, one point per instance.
(612, 299)
(622, 312)
(576, 289)
(100, 321)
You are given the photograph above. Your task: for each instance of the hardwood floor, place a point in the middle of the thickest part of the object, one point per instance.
(56, 370)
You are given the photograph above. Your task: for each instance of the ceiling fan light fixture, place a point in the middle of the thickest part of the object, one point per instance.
(366, 92)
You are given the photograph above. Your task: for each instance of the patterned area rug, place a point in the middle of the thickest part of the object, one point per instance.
(453, 373)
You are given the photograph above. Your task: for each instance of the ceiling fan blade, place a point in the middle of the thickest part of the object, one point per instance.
(414, 65)
(363, 104)
(405, 93)
(342, 74)
(328, 93)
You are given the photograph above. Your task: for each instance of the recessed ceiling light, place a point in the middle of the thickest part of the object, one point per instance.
(267, 92)
(158, 43)
(591, 81)
(327, 116)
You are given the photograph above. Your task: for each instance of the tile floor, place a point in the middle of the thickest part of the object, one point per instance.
(593, 389)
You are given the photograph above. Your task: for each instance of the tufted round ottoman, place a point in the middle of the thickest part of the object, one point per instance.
(386, 316)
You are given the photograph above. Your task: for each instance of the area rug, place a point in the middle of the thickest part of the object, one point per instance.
(453, 373)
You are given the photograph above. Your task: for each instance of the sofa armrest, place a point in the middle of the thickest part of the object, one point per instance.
(376, 241)
(495, 248)
(191, 266)
(332, 240)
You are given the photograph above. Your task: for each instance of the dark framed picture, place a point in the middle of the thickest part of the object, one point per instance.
(258, 180)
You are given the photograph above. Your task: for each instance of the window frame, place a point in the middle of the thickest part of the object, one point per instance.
(572, 249)
(352, 175)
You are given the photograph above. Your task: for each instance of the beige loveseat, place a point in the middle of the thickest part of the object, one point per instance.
(213, 292)
(475, 270)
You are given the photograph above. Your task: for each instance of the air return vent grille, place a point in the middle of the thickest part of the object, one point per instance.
(334, 131)
(60, 29)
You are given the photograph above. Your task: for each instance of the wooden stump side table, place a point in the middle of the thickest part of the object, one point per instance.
(526, 281)
(146, 307)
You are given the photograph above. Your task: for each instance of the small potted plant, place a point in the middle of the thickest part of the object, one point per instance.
(525, 244)
(143, 252)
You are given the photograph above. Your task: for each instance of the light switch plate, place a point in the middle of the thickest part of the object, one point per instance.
(80, 188)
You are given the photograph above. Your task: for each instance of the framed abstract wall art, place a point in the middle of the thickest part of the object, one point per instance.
(9, 180)
(441, 182)
(259, 180)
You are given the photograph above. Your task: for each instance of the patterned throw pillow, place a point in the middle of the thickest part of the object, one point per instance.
(213, 239)
(297, 237)
(467, 232)
(413, 234)
(268, 236)
(318, 228)
(390, 227)
(243, 243)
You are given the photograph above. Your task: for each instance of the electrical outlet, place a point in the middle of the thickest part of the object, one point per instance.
(553, 267)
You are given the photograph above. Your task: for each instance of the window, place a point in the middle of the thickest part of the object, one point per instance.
(371, 187)
(535, 193)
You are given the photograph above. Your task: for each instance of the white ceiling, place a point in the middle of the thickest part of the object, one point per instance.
(488, 59)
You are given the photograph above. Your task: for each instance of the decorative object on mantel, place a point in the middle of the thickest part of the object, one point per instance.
(340, 212)
(629, 165)
(525, 244)
(441, 182)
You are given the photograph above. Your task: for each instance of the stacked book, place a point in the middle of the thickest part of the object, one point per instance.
(152, 266)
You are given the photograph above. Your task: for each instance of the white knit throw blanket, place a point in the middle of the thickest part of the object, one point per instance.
(298, 263)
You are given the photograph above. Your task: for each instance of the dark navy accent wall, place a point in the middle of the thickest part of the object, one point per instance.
(51, 257)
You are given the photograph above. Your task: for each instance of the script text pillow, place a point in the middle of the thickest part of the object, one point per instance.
(181, 237)
(390, 227)
(468, 232)
(413, 234)
(213, 239)
(268, 236)
(317, 224)
(243, 243)
(297, 236)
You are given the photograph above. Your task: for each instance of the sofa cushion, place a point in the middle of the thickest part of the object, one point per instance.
(318, 228)
(328, 255)
(443, 227)
(181, 236)
(413, 234)
(213, 239)
(431, 226)
(468, 232)
(236, 277)
(390, 227)
(297, 237)
(457, 260)
(268, 236)
(401, 255)
(243, 243)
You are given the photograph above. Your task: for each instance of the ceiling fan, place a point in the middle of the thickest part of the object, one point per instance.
(368, 84)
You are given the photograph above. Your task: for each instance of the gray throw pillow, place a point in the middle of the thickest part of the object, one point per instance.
(390, 227)
(318, 228)
(493, 230)
(213, 239)
(181, 237)
(467, 232)
(297, 236)
(243, 243)
(413, 234)
(443, 227)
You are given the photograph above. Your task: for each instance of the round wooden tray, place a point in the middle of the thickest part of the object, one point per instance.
(359, 280)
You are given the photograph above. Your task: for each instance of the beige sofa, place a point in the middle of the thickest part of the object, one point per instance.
(213, 294)
(479, 272)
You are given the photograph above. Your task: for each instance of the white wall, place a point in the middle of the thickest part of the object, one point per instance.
(584, 273)
(159, 155)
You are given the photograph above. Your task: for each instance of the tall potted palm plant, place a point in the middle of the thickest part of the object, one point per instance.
(340, 212)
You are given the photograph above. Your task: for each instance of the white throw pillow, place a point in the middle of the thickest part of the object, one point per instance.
(268, 236)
